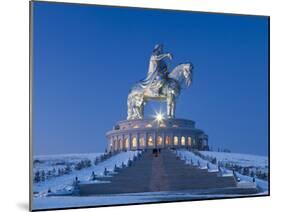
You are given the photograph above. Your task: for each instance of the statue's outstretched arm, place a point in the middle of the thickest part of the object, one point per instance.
(162, 56)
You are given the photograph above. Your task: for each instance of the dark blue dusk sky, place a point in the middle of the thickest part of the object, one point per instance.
(86, 58)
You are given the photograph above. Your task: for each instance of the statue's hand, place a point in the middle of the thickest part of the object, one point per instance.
(170, 56)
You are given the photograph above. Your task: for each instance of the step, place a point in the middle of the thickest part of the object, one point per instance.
(162, 173)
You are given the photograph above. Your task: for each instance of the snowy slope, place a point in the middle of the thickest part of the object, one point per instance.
(233, 158)
(61, 182)
(42, 201)
(244, 160)
(49, 162)
(196, 160)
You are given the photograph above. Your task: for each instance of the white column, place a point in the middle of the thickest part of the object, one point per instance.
(130, 140)
(123, 142)
(145, 140)
(138, 142)
(163, 140)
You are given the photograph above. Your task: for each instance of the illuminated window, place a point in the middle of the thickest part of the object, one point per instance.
(150, 141)
(134, 142)
(142, 141)
(127, 143)
(162, 125)
(148, 126)
(159, 140)
(189, 141)
(176, 140)
(168, 140)
(182, 140)
(136, 126)
(175, 125)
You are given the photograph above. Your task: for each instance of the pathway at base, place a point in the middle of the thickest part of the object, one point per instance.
(163, 173)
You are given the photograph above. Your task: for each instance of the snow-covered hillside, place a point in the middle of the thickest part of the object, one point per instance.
(246, 166)
(59, 182)
(202, 160)
(50, 162)
(244, 160)
(230, 161)
(192, 159)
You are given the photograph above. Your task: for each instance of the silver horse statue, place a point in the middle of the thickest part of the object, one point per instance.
(159, 85)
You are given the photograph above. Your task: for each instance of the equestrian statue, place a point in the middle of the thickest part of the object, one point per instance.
(159, 85)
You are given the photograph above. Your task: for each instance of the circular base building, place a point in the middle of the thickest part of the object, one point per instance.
(142, 134)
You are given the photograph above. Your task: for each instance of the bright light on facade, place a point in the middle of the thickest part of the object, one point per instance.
(159, 117)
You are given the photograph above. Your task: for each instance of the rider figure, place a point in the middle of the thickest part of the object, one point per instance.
(157, 71)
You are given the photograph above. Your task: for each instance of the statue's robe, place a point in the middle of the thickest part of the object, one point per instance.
(156, 76)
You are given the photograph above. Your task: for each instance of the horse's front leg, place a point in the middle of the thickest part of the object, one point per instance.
(171, 106)
(129, 109)
(142, 110)
(168, 109)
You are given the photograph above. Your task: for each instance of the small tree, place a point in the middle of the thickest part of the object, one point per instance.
(54, 172)
(96, 161)
(115, 168)
(252, 174)
(105, 172)
(214, 161)
(130, 162)
(67, 169)
(49, 174)
(37, 177)
(60, 172)
(93, 176)
(88, 163)
(43, 175)
(78, 166)
(246, 171)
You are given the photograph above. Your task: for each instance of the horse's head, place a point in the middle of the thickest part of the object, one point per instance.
(187, 73)
(182, 74)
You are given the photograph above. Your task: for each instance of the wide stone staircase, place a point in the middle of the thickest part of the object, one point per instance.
(166, 172)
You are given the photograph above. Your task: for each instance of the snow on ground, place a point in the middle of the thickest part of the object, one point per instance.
(101, 200)
(43, 202)
(196, 160)
(244, 160)
(49, 162)
(63, 181)
(262, 184)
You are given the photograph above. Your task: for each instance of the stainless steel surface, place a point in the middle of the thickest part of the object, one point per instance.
(159, 85)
